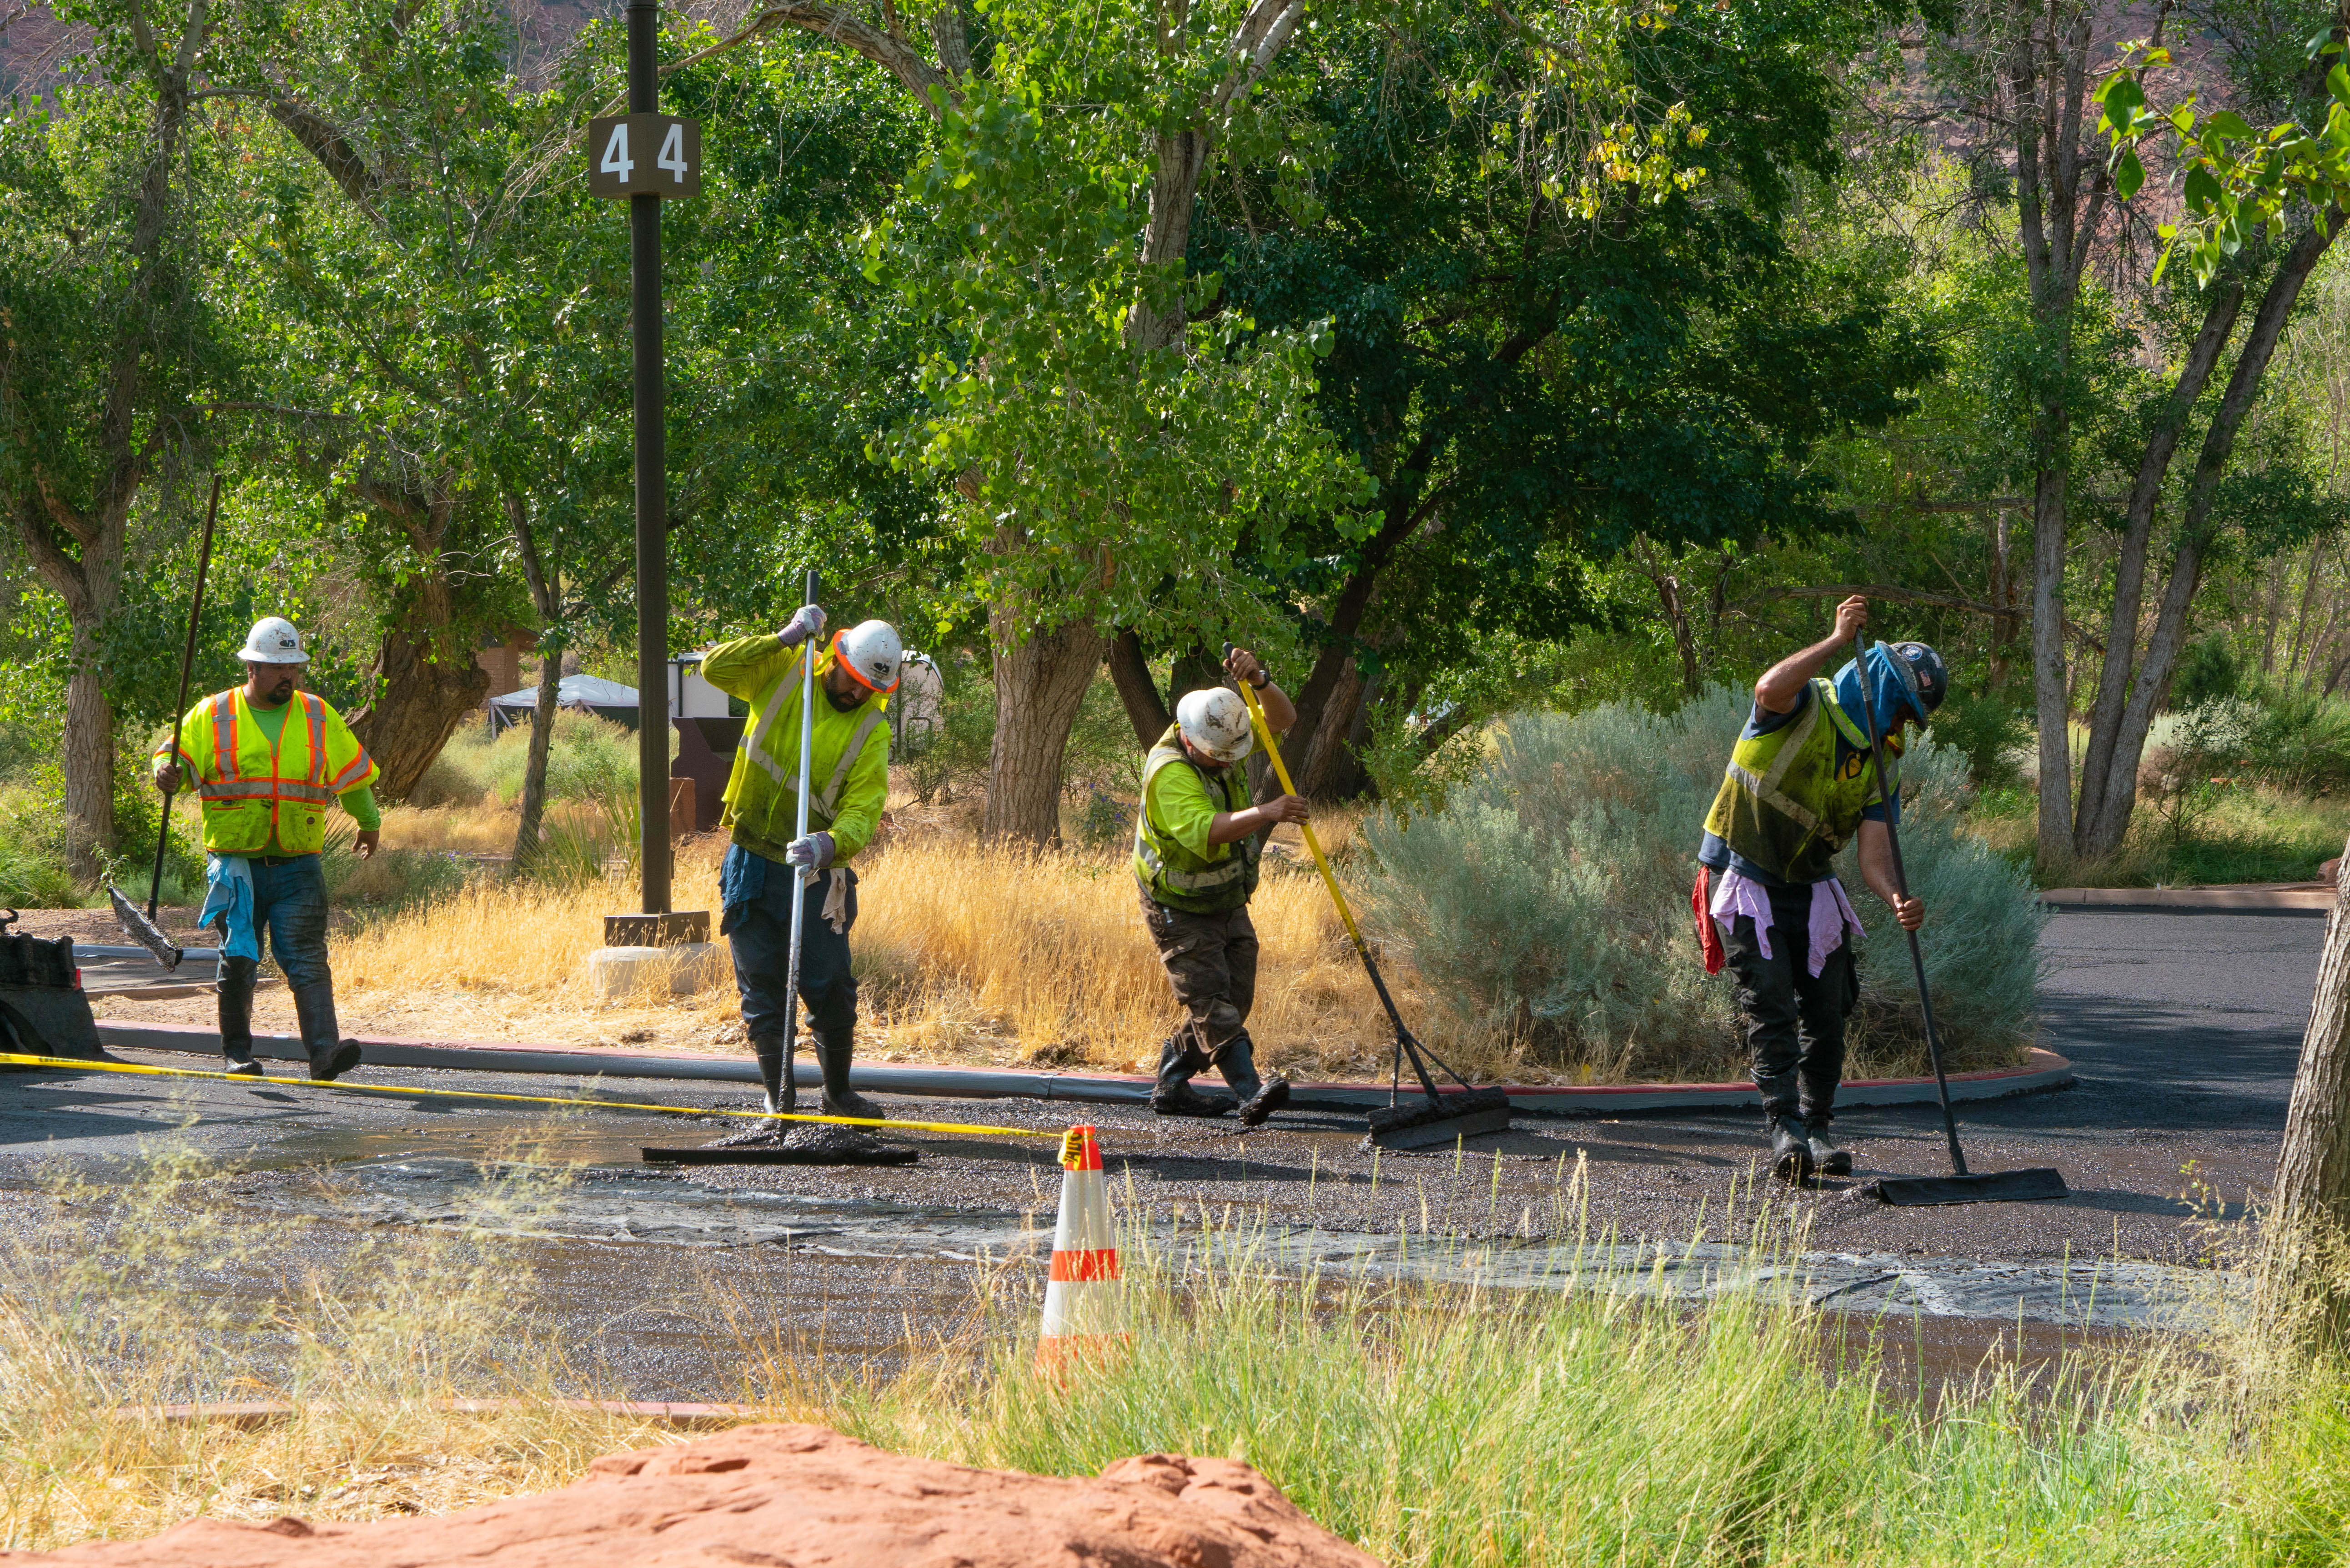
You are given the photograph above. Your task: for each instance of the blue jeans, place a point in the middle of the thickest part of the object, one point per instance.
(289, 918)
(759, 933)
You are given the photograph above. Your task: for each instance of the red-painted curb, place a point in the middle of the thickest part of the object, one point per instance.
(2045, 1070)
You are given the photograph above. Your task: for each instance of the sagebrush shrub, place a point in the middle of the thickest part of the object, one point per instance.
(1551, 898)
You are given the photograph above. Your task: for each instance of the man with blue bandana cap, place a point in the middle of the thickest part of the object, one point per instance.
(1802, 782)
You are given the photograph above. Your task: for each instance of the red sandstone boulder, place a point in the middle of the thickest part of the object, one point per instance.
(797, 1497)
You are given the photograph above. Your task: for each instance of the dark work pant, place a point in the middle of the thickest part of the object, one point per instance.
(759, 933)
(289, 919)
(289, 923)
(1794, 1020)
(1212, 960)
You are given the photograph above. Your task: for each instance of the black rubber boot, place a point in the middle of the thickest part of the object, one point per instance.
(1260, 1097)
(332, 1055)
(832, 1054)
(1791, 1154)
(1173, 1095)
(237, 980)
(1826, 1158)
(775, 1054)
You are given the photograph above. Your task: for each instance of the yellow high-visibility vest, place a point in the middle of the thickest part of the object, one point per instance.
(252, 789)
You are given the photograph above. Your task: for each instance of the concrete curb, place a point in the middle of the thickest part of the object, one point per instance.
(2248, 898)
(2044, 1070)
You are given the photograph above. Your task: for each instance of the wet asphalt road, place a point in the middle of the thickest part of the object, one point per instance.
(2183, 1030)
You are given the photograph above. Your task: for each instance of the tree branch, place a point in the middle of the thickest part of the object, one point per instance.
(1915, 597)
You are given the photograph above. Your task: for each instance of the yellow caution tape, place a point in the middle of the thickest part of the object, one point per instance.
(137, 1069)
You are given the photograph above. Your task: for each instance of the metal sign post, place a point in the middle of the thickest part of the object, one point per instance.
(642, 158)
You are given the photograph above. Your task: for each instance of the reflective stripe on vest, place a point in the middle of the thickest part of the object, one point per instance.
(1190, 882)
(827, 801)
(1219, 875)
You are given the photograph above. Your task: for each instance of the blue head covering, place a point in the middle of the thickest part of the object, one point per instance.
(1904, 681)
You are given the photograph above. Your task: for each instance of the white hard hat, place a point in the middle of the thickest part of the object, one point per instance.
(1216, 722)
(871, 654)
(272, 640)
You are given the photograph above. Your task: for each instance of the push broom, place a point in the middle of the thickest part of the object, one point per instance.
(140, 927)
(1444, 1115)
(1961, 1186)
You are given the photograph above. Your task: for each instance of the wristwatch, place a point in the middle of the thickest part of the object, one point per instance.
(1261, 681)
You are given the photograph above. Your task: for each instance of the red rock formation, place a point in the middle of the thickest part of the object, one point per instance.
(796, 1497)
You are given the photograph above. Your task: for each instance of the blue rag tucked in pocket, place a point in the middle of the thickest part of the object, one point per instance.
(228, 904)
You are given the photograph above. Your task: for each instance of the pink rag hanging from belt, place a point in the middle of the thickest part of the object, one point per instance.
(1831, 916)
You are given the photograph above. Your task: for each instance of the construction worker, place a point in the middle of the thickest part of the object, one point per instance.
(267, 757)
(1196, 840)
(1800, 782)
(766, 867)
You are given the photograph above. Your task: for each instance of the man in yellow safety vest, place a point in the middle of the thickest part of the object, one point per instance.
(767, 865)
(1197, 836)
(267, 757)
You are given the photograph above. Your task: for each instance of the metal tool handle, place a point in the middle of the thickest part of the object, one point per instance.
(1902, 885)
(808, 651)
(1406, 1042)
(180, 714)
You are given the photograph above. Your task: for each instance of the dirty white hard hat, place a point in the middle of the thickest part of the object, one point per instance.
(871, 654)
(272, 640)
(1216, 722)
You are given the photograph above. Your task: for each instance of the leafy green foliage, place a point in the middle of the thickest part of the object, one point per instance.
(2238, 179)
(1089, 470)
(1987, 731)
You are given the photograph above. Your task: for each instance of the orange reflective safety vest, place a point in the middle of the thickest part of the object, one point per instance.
(252, 789)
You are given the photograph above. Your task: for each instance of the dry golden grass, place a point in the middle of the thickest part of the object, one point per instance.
(459, 829)
(1042, 956)
(100, 1332)
(964, 954)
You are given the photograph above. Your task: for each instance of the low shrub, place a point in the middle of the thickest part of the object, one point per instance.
(1987, 731)
(1551, 898)
(2299, 739)
(588, 758)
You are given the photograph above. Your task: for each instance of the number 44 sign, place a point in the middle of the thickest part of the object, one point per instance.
(644, 155)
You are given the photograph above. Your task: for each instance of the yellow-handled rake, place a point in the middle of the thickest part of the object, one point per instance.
(1446, 1114)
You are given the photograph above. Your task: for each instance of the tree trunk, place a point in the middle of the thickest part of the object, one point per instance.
(88, 760)
(426, 679)
(2107, 801)
(2273, 608)
(1129, 672)
(2003, 599)
(2047, 86)
(2052, 697)
(2311, 1201)
(2105, 714)
(1323, 756)
(423, 694)
(1040, 682)
(533, 773)
(544, 597)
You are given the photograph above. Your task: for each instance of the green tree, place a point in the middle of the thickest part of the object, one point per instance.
(1542, 372)
(109, 364)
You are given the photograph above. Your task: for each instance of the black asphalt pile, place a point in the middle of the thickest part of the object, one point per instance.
(807, 1143)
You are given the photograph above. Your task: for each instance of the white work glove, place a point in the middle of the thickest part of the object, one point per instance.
(813, 853)
(806, 622)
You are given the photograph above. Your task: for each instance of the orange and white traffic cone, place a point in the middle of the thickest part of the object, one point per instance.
(1084, 1313)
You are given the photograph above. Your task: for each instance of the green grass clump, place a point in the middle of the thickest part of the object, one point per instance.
(1588, 1425)
(588, 758)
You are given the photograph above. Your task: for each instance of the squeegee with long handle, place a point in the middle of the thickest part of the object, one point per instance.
(1407, 1043)
(808, 651)
(1892, 798)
